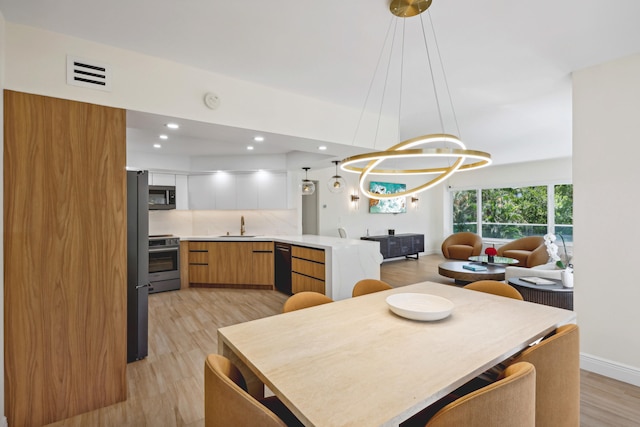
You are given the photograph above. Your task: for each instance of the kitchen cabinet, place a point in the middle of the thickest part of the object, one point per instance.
(231, 264)
(307, 269)
(228, 191)
(161, 179)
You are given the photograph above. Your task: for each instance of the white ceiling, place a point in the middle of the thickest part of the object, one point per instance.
(508, 63)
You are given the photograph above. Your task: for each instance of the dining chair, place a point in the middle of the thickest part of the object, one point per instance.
(557, 362)
(227, 402)
(304, 299)
(496, 288)
(369, 286)
(510, 401)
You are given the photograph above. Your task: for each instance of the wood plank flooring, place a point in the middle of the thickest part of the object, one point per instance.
(166, 388)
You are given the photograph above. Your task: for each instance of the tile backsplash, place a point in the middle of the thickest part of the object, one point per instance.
(219, 222)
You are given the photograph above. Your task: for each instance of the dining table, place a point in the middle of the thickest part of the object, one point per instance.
(354, 362)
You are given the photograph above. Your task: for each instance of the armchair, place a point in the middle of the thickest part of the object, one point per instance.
(462, 245)
(530, 251)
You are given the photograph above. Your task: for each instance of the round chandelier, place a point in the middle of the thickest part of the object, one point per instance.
(336, 183)
(438, 154)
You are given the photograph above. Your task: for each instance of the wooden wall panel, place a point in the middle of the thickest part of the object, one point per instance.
(65, 258)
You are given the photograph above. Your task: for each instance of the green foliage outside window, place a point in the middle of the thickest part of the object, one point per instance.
(465, 213)
(511, 213)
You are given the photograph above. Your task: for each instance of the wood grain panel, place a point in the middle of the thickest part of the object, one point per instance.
(184, 264)
(301, 283)
(65, 258)
(262, 264)
(232, 262)
(308, 268)
(316, 255)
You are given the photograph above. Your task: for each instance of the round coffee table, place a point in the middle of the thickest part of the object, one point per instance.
(554, 295)
(462, 276)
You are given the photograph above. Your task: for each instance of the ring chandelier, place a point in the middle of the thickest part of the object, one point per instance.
(459, 157)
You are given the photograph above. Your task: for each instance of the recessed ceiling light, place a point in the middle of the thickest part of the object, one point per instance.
(172, 125)
(157, 146)
(164, 137)
(258, 138)
(322, 147)
(249, 147)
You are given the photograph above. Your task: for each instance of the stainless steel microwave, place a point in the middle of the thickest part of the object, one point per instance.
(162, 197)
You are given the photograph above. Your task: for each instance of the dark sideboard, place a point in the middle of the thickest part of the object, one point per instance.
(399, 245)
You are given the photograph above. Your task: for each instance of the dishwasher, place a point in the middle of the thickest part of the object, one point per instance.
(283, 267)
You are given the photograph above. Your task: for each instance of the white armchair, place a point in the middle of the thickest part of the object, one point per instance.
(547, 271)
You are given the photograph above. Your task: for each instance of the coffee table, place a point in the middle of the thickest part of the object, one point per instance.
(554, 295)
(462, 276)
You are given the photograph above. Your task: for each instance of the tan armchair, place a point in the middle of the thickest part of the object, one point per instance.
(462, 245)
(530, 251)
(227, 403)
(557, 362)
(507, 402)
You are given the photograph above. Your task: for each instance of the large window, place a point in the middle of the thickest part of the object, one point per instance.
(511, 213)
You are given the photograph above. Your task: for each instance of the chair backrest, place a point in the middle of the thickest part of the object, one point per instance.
(369, 286)
(496, 288)
(509, 401)
(342, 232)
(459, 241)
(226, 401)
(303, 300)
(557, 362)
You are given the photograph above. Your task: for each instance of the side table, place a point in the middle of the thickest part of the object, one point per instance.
(554, 295)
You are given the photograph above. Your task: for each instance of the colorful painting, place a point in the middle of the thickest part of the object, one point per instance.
(395, 205)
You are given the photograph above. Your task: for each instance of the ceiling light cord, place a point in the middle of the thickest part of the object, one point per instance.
(433, 78)
(373, 78)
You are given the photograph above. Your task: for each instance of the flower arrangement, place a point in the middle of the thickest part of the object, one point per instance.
(552, 249)
(491, 251)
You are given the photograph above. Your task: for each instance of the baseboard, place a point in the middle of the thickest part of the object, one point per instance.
(4, 422)
(608, 368)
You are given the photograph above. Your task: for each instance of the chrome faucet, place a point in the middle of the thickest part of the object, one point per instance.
(242, 225)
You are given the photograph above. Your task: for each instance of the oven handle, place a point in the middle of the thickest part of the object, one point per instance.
(173, 249)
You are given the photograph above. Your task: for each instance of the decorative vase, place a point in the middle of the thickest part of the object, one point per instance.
(567, 277)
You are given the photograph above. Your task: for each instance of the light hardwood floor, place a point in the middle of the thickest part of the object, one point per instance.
(166, 388)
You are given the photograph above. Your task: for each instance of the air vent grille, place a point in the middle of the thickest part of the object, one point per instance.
(88, 73)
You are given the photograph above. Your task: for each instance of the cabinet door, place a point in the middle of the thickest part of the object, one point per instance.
(273, 190)
(162, 179)
(226, 191)
(182, 192)
(262, 264)
(232, 264)
(202, 192)
(247, 191)
(301, 283)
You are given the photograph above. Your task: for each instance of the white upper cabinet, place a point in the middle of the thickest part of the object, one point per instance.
(226, 191)
(162, 179)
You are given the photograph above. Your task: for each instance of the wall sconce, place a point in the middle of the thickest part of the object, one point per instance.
(414, 202)
(355, 198)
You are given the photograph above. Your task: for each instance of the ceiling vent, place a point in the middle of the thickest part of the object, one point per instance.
(88, 73)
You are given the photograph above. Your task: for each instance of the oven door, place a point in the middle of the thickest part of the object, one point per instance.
(164, 263)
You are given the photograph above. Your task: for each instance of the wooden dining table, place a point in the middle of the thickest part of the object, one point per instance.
(355, 363)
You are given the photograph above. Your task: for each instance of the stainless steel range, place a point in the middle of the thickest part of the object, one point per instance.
(164, 263)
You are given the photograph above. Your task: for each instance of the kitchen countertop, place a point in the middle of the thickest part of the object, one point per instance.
(309, 240)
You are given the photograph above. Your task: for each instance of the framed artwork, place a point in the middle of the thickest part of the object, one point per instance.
(394, 205)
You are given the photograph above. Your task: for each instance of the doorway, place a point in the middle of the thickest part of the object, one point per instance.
(310, 214)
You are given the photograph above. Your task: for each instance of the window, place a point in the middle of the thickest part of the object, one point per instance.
(511, 213)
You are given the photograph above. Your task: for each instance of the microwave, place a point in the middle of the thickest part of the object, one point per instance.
(162, 197)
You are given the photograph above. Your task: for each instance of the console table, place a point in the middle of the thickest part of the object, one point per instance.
(399, 245)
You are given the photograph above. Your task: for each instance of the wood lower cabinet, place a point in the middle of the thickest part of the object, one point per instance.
(231, 264)
(307, 269)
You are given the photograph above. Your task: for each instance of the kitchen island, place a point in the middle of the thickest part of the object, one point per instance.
(345, 260)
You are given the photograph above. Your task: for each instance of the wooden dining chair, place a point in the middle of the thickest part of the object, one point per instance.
(496, 288)
(369, 286)
(557, 362)
(227, 402)
(509, 401)
(304, 299)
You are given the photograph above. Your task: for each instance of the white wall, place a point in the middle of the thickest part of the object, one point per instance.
(337, 210)
(606, 108)
(36, 63)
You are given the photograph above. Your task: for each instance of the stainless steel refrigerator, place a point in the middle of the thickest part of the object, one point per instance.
(137, 265)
